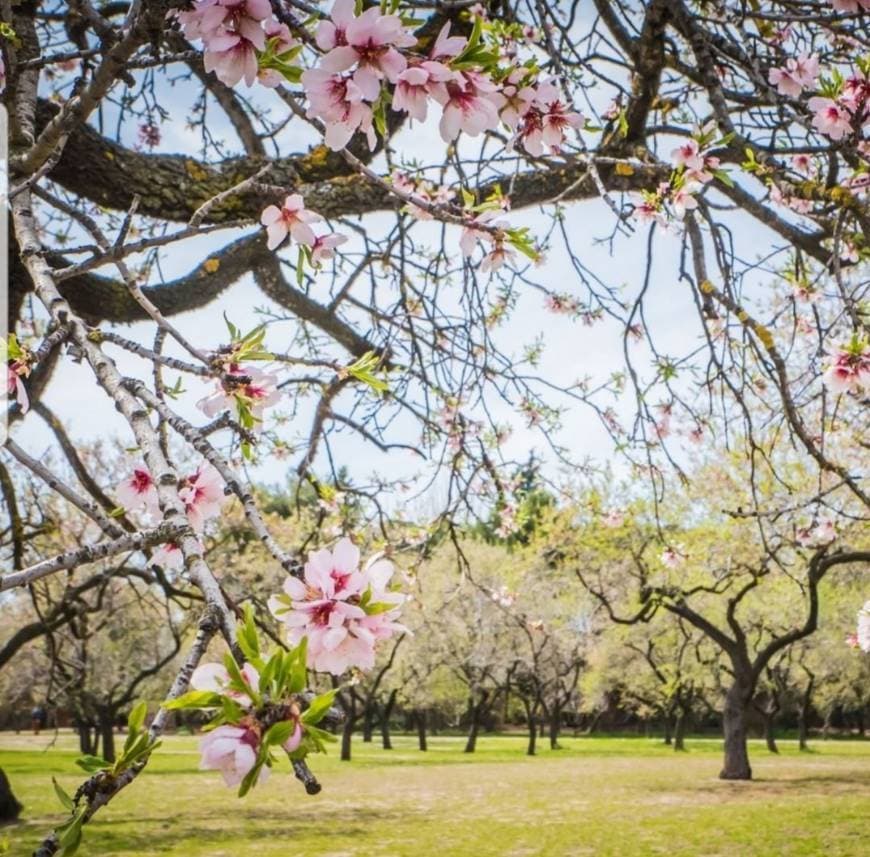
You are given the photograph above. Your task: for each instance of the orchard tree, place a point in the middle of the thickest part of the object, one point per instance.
(737, 130)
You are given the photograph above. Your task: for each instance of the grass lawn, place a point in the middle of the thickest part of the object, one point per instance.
(597, 796)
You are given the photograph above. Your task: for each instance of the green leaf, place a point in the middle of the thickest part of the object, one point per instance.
(249, 641)
(279, 732)
(136, 718)
(318, 707)
(62, 796)
(195, 699)
(90, 764)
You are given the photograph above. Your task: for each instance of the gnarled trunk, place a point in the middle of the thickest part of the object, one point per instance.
(9, 806)
(736, 766)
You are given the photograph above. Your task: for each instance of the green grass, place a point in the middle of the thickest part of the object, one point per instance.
(598, 796)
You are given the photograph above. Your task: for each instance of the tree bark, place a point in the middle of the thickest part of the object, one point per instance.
(421, 729)
(769, 737)
(679, 731)
(736, 766)
(475, 710)
(385, 720)
(533, 732)
(87, 742)
(669, 729)
(346, 736)
(555, 726)
(107, 735)
(9, 805)
(368, 722)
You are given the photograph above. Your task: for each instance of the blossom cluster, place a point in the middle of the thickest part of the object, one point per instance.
(18, 365)
(202, 493)
(694, 167)
(816, 535)
(341, 609)
(232, 748)
(242, 40)
(849, 367)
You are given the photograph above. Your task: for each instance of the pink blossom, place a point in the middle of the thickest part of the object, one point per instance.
(471, 102)
(863, 633)
(138, 490)
(214, 678)
(830, 118)
(518, 98)
(850, 370)
(855, 97)
(202, 495)
(232, 33)
(547, 127)
(688, 155)
(332, 33)
(370, 44)
(850, 5)
(342, 610)
(256, 393)
(15, 386)
(324, 246)
(804, 164)
(672, 558)
(414, 85)
(338, 101)
(561, 304)
(797, 74)
(232, 750)
(497, 257)
(471, 233)
(613, 518)
(446, 46)
(168, 556)
(291, 218)
(683, 198)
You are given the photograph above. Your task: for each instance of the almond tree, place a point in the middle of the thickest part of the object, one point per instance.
(735, 128)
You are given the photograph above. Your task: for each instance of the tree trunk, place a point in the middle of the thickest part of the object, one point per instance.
(107, 735)
(669, 728)
(368, 722)
(348, 703)
(474, 711)
(385, 720)
(533, 732)
(737, 701)
(555, 725)
(541, 727)
(679, 731)
(802, 728)
(769, 737)
(87, 742)
(9, 806)
(421, 729)
(346, 736)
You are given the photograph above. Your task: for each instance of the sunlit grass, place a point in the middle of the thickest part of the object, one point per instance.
(597, 796)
